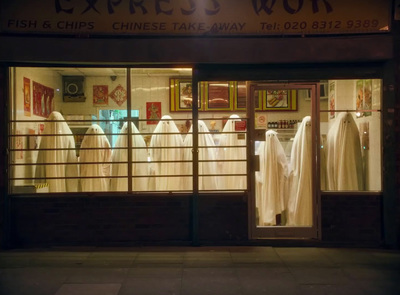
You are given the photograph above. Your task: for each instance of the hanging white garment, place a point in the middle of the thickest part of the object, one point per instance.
(96, 150)
(166, 153)
(344, 159)
(272, 179)
(232, 152)
(300, 177)
(323, 152)
(207, 152)
(138, 154)
(58, 157)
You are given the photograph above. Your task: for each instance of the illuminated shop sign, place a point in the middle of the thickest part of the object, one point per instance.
(195, 17)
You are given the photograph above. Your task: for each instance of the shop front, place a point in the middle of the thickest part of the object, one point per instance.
(190, 129)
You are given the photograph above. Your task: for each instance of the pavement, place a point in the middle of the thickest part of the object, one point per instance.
(199, 271)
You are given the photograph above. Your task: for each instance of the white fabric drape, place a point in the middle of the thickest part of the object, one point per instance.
(95, 147)
(344, 159)
(57, 137)
(165, 154)
(138, 154)
(271, 179)
(230, 139)
(207, 152)
(300, 177)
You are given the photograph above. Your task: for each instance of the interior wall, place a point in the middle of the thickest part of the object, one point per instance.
(47, 78)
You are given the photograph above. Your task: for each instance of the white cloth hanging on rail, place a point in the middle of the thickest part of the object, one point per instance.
(166, 155)
(207, 152)
(300, 177)
(271, 179)
(344, 158)
(232, 148)
(96, 151)
(57, 150)
(138, 154)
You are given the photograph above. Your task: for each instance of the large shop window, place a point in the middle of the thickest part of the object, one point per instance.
(97, 130)
(350, 135)
(131, 130)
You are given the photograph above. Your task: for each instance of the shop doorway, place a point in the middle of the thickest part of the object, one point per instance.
(282, 160)
(265, 135)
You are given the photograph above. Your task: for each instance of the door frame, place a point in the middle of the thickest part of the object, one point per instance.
(256, 232)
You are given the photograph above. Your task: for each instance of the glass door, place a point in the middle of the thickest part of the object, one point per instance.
(282, 194)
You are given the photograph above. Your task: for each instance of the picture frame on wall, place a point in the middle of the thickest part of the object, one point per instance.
(153, 112)
(27, 97)
(181, 95)
(280, 100)
(364, 97)
(332, 99)
(240, 97)
(43, 99)
(218, 96)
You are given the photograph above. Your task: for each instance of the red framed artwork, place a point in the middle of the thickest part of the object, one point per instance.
(153, 112)
(100, 95)
(27, 97)
(43, 100)
(118, 95)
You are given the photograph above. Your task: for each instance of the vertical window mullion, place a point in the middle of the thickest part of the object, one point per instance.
(195, 161)
(129, 120)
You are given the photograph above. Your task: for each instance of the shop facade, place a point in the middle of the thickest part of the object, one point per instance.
(185, 127)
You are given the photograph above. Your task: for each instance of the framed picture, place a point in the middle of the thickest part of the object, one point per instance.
(27, 97)
(332, 99)
(153, 112)
(364, 96)
(218, 96)
(280, 100)
(181, 95)
(240, 96)
(43, 99)
(118, 95)
(100, 95)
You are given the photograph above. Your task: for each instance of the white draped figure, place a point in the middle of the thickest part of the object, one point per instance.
(96, 151)
(233, 148)
(138, 154)
(300, 177)
(57, 150)
(166, 153)
(323, 152)
(271, 179)
(207, 152)
(344, 165)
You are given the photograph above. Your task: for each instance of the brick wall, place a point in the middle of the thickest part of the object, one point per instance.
(102, 220)
(223, 218)
(54, 221)
(351, 219)
(117, 220)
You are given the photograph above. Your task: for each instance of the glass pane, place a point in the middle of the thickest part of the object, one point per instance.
(351, 136)
(283, 146)
(162, 159)
(222, 136)
(66, 121)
